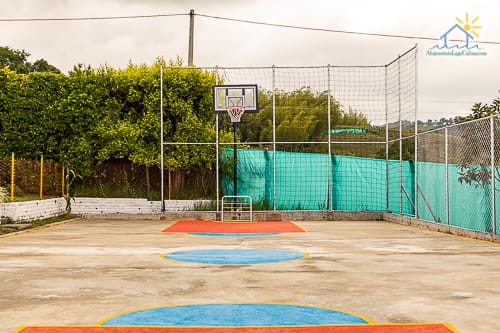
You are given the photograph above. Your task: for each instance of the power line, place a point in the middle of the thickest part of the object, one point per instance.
(269, 24)
(334, 30)
(311, 28)
(90, 18)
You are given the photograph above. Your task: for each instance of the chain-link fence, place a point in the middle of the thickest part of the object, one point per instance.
(27, 179)
(325, 138)
(320, 140)
(347, 138)
(119, 179)
(458, 173)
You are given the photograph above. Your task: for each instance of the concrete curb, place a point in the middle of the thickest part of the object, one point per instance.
(33, 229)
(444, 228)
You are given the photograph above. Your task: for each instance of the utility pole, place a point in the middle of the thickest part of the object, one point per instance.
(191, 37)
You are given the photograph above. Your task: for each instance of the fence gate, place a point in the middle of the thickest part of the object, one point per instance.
(236, 208)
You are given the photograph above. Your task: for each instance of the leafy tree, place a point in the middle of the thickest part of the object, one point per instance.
(475, 166)
(17, 60)
(130, 129)
(98, 114)
(29, 117)
(301, 115)
(477, 175)
(41, 65)
(407, 150)
(480, 110)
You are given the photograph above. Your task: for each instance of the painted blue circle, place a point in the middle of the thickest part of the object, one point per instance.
(257, 234)
(235, 315)
(234, 256)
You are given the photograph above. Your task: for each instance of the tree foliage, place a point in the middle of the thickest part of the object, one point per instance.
(98, 114)
(475, 167)
(301, 116)
(480, 110)
(91, 115)
(17, 61)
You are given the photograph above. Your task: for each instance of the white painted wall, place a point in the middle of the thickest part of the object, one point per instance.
(103, 206)
(33, 210)
(99, 206)
(42, 209)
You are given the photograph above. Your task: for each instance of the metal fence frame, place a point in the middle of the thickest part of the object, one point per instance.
(398, 89)
(400, 113)
(486, 131)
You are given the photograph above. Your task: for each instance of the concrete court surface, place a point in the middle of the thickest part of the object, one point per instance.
(83, 271)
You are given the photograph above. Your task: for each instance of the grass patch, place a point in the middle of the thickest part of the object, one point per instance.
(205, 206)
(39, 223)
(5, 230)
(33, 224)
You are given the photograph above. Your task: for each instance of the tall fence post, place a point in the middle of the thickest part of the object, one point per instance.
(274, 139)
(416, 133)
(386, 142)
(446, 175)
(12, 175)
(401, 186)
(493, 169)
(41, 177)
(162, 157)
(217, 181)
(329, 196)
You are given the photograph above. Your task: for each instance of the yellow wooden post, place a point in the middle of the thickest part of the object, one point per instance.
(41, 176)
(62, 178)
(12, 176)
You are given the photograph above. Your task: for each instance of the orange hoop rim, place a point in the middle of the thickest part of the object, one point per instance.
(235, 113)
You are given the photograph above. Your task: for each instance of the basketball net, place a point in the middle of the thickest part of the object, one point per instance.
(235, 113)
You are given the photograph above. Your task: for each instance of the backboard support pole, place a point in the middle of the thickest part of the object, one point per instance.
(235, 100)
(235, 159)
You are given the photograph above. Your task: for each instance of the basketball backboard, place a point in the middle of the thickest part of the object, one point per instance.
(226, 96)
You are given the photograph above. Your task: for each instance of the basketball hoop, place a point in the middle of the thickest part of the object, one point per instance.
(235, 100)
(235, 113)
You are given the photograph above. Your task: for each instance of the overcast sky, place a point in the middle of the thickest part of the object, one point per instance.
(448, 85)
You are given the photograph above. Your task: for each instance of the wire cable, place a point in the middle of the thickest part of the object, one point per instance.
(277, 25)
(335, 30)
(90, 18)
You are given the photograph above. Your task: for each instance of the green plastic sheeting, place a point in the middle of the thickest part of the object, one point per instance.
(401, 172)
(349, 130)
(251, 173)
(470, 207)
(302, 180)
(359, 184)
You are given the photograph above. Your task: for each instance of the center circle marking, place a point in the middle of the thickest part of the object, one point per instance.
(236, 315)
(234, 256)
